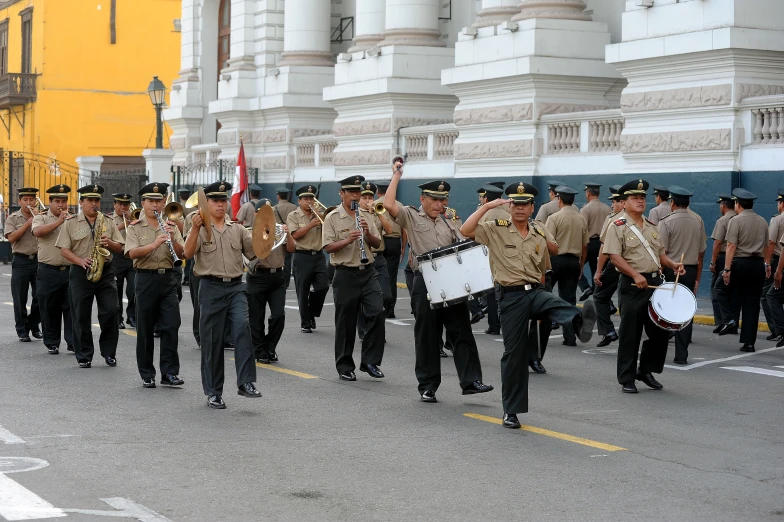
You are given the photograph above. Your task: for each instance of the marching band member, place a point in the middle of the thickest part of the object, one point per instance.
(53, 293)
(718, 255)
(282, 211)
(80, 241)
(606, 278)
(222, 295)
(150, 249)
(551, 207)
(384, 226)
(661, 195)
(772, 257)
(595, 213)
(394, 246)
(247, 212)
(122, 266)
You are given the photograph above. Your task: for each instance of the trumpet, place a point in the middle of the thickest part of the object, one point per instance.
(319, 209)
(173, 210)
(378, 207)
(39, 206)
(136, 212)
(451, 213)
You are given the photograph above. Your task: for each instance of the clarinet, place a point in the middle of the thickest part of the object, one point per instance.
(177, 260)
(363, 258)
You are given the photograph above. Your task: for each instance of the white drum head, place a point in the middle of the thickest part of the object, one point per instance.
(679, 307)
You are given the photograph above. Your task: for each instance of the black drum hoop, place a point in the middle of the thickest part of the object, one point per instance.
(447, 250)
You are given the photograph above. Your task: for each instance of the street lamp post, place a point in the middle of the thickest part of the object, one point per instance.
(157, 92)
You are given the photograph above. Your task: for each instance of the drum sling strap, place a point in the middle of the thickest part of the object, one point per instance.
(455, 236)
(637, 232)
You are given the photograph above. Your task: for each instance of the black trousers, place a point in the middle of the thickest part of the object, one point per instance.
(683, 337)
(83, 292)
(188, 270)
(265, 288)
(428, 326)
(717, 318)
(193, 285)
(123, 271)
(409, 273)
(287, 268)
(157, 295)
(310, 270)
(55, 305)
(602, 297)
(355, 291)
(392, 250)
(493, 321)
(222, 304)
(728, 298)
(635, 319)
(566, 272)
(517, 310)
(775, 300)
(23, 277)
(745, 289)
(594, 245)
(380, 264)
(774, 263)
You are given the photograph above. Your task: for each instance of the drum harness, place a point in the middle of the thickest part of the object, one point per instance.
(638, 233)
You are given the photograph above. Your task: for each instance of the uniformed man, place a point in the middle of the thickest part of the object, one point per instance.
(772, 255)
(428, 230)
(493, 192)
(122, 266)
(77, 242)
(606, 277)
(595, 213)
(282, 211)
(571, 233)
(267, 286)
(683, 236)
(356, 286)
(394, 243)
(727, 208)
(308, 262)
(222, 295)
(775, 295)
(52, 279)
(518, 260)
(744, 268)
(184, 194)
(247, 212)
(640, 266)
(546, 210)
(661, 195)
(24, 265)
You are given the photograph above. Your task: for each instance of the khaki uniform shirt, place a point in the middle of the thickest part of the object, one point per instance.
(775, 233)
(76, 235)
(118, 222)
(48, 253)
(622, 241)
(337, 226)
(496, 213)
(222, 257)
(274, 260)
(140, 234)
(682, 234)
(570, 230)
(547, 235)
(749, 232)
(595, 213)
(547, 210)
(659, 211)
(27, 244)
(310, 241)
(247, 213)
(720, 229)
(396, 230)
(425, 234)
(380, 228)
(514, 259)
(612, 217)
(283, 209)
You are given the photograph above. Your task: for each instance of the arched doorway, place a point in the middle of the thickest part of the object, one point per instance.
(224, 39)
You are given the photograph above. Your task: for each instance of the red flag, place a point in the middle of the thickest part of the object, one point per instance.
(239, 194)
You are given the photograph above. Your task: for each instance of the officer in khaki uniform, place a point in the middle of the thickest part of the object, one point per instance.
(518, 260)
(394, 245)
(661, 195)
(308, 262)
(427, 230)
(606, 278)
(282, 211)
(24, 266)
(640, 267)
(719, 235)
(122, 266)
(355, 287)
(247, 212)
(595, 213)
(682, 235)
(571, 233)
(772, 256)
(222, 295)
(744, 268)
(267, 286)
(493, 192)
(551, 207)
(53, 295)
(76, 243)
(383, 225)
(156, 286)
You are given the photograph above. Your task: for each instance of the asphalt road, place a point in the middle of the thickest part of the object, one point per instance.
(707, 447)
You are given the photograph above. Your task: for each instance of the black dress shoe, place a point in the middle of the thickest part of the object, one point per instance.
(347, 376)
(607, 339)
(216, 401)
(110, 361)
(772, 337)
(475, 318)
(157, 335)
(649, 381)
(613, 310)
(273, 357)
(85, 364)
(730, 328)
(428, 396)
(53, 349)
(554, 325)
(680, 361)
(247, 389)
(313, 323)
(25, 338)
(443, 353)
(511, 421)
(263, 358)
(306, 329)
(586, 321)
(448, 346)
(228, 345)
(131, 322)
(391, 316)
(121, 325)
(629, 387)
(148, 383)
(747, 348)
(186, 281)
(372, 370)
(588, 293)
(491, 331)
(569, 343)
(780, 342)
(37, 334)
(718, 328)
(171, 379)
(537, 367)
(477, 387)
(70, 348)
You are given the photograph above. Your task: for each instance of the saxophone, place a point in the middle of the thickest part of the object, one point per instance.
(99, 253)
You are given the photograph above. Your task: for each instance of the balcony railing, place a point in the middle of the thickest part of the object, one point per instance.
(315, 151)
(575, 133)
(430, 143)
(17, 89)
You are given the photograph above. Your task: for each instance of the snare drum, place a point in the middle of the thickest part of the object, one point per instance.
(672, 311)
(456, 273)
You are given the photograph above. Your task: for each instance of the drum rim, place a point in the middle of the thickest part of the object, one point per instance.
(462, 299)
(665, 288)
(444, 251)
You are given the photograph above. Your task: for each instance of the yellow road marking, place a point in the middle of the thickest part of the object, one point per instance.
(126, 332)
(549, 433)
(285, 370)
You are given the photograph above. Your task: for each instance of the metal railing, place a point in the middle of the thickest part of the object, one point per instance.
(17, 89)
(202, 174)
(23, 169)
(129, 181)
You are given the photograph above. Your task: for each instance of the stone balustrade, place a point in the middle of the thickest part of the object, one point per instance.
(768, 125)
(315, 151)
(563, 138)
(429, 143)
(574, 133)
(606, 135)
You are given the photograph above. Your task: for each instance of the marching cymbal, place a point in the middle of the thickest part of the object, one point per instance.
(264, 232)
(205, 215)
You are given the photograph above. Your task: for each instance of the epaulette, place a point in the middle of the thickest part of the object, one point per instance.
(540, 232)
(502, 223)
(612, 214)
(619, 222)
(665, 217)
(413, 207)
(135, 222)
(651, 222)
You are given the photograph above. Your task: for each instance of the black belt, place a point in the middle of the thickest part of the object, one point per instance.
(519, 288)
(153, 271)
(222, 279)
(352, 268)
(26, 256)
(52, 267)
(307, 252)
(265, 270)
(594, 237)
(570, 255)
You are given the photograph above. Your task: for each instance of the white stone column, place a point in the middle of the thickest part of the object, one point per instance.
(159, 163)
(412, 22)
(306, 33)
(88, 165)
(496, 11)
(369, 23)
(555, 9)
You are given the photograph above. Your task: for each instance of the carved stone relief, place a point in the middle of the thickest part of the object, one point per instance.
(362, 157)
(399, 123)
(274, 162)
(751, 90)
(543, 109)
(681, 141)
(275, 136)
(504, 113)
(355, 128)
(305, 133)
(705, 96)
(497, 149)
(227, 138)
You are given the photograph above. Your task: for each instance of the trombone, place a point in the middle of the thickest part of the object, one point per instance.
(319, 209)
(39, 206)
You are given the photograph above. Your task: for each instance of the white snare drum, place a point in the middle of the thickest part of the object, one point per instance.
(456, 273)
(672, 311)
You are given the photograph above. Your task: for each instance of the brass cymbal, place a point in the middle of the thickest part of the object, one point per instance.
(205, 215)
(193, 200)
(264, 232)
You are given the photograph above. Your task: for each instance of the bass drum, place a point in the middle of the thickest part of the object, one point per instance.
(456, 273)
(672, 311)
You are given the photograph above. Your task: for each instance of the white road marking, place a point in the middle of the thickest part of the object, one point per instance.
(752, 369)
(725, 359)
(399, 322)
(7, 275)
(10, 438)
(127, 509)
(19, 503)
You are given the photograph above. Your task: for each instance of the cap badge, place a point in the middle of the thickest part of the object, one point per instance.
(367, 186)
(441, 187)
(95, 188)
(62, 189)
(310, 188)
(222, 188)
(356, 181)
(521, 188)
(155, 188)
(639, 185)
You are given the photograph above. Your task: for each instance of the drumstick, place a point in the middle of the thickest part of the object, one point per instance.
(649, 286)
(675, 286)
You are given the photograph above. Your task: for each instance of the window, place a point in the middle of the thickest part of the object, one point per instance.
(224, 34)
(4, 47)
(27, 40)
